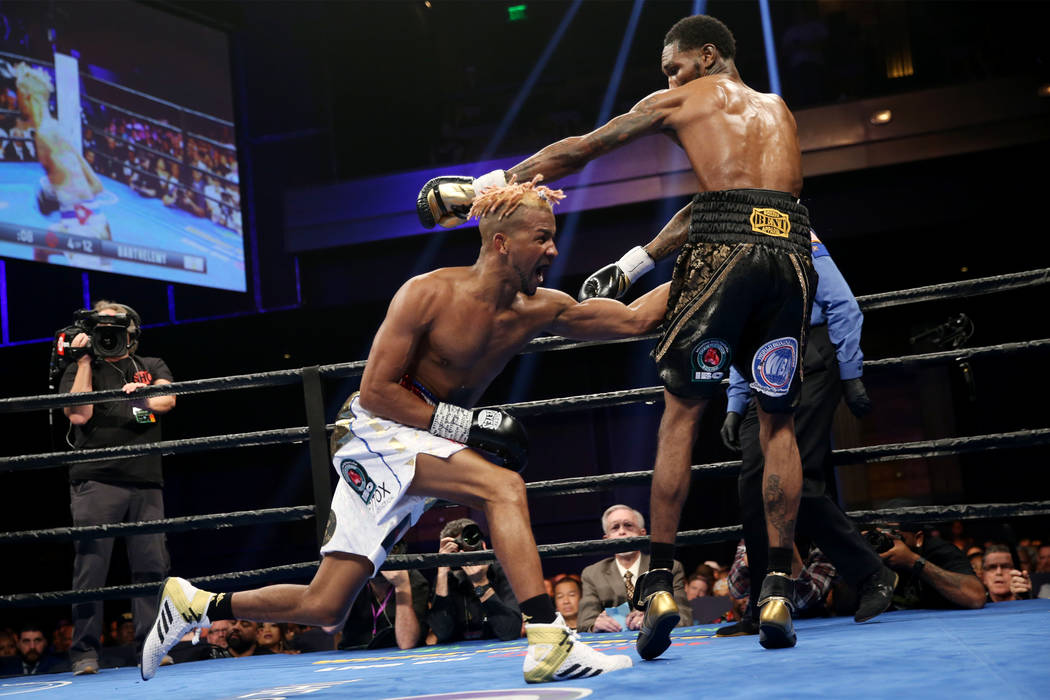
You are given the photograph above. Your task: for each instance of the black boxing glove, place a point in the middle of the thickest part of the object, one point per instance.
(489, 429)
(731, 430)
(613, 281)
(856, 397)
(446, 201)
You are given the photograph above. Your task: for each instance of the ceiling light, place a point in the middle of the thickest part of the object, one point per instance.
(882, 116)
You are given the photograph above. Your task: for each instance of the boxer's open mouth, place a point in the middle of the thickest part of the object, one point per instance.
(541, 272)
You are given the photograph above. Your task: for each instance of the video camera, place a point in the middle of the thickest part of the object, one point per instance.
(109, 336)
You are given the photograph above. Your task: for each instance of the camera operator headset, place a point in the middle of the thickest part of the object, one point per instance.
(101, 356)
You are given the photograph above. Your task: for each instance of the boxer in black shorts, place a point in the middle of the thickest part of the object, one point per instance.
(740, 296)
(740, 143)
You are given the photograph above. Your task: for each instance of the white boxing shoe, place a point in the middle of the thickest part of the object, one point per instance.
(555, 653)
(181, 608)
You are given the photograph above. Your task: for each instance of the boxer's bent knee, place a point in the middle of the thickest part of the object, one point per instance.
(508, 488)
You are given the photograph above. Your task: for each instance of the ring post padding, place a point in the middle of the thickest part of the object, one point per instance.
(313, 395)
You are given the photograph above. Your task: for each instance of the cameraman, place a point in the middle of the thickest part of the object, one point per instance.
(115, 490)
(475, 602)
(933, 573)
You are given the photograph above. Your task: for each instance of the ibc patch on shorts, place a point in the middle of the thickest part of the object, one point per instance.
(357, 478)
(773, 366)
(710, 358)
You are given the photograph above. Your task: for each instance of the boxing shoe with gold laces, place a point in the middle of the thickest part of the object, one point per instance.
(555, 653)
(776, 602)
(181, 608)
(654, 594)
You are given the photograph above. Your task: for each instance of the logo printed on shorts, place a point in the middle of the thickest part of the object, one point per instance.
(771, 222)
(357, 478)
(773, 366)
(710, 358)
(489, 420)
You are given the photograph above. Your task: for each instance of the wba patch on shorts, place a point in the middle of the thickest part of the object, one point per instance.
(773, 367)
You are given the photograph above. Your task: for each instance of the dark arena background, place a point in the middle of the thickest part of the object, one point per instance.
(925, 131)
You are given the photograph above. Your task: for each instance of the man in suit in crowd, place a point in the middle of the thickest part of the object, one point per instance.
(610, 582)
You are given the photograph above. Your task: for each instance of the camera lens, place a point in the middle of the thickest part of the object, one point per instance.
(471, 537)
(107, 338)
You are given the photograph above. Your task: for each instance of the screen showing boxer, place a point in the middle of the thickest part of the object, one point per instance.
(117, 148)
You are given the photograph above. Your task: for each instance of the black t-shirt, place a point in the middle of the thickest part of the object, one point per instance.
(115, 423)
(912, 592)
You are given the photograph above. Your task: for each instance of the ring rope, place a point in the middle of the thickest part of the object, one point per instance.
(301, 434)
(181, 524)
(555, 487)
(565, 549)
(867, 302)
(349, 369)
(854, 455)
(256, 438)
(983, 285)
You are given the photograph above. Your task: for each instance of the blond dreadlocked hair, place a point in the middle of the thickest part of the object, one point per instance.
(502, 201)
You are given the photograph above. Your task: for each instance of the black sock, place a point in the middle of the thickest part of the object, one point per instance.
(661, 555)
(539, 609)
(780, 559)
(220, 607)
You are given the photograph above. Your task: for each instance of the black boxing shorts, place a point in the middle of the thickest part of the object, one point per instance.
(740, 295)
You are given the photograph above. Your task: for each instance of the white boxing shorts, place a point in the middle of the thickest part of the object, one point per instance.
(370, 511)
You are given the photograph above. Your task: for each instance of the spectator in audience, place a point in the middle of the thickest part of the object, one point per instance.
(1042, 559)
(192, 198)
(610, 582)
(243, 639)
(32, 658)
(271, 636)
(567, 593)
(696, 587)
(812, 578)
(218, 631)
(933, 573)
(125, 629)
(391, 611)
(976, 557)
(62, 638)
(305, 639)
(959, 537)
(1026, 555)
(8, 644)
(1002, 579)
(475, 601)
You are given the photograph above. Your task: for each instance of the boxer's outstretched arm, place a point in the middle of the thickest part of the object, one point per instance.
(608, 319)
(393, 349)
(571, 154)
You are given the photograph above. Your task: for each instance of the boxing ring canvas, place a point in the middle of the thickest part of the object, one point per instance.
(1001, 650)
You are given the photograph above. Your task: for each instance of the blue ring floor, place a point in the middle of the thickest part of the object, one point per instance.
(1002, 651)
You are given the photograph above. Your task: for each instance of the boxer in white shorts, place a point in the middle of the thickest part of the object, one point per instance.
(412, 434)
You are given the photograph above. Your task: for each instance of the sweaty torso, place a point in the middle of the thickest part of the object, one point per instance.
(469, 340)
(736, 137)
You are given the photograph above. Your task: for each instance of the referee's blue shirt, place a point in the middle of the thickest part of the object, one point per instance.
(833, 304)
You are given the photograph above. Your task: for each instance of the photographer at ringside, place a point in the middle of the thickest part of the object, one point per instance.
(114, 490)
(934, 574)
(475, 601)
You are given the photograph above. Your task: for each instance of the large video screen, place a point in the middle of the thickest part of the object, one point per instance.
(117, 148)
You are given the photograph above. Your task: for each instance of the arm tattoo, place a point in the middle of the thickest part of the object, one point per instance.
(672, 236)
(570, 155)
(777, 515)
(948, 583)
